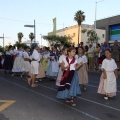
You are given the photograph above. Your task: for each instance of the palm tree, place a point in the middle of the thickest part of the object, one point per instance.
(79, 17)
(20, 36)
(31, 36)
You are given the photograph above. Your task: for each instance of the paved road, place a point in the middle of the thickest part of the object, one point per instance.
(41, 104)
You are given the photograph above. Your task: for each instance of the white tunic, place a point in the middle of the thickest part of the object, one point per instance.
(72, 66)
(10, 52)
(110, 81)
(35, 55)
(35, 64)
(26, 63)
(19, 53)
(46, 54)
(81, 59)
(25, 55)
(61, 58)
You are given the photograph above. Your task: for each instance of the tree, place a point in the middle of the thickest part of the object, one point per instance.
(20, 44)
(58, 41)
(31, 36)
(79, 17)
(92, 35)
(1, 49)
(20, 36)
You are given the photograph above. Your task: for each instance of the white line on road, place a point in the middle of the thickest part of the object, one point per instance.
(86, 100)
(53, 100)
(82, 97)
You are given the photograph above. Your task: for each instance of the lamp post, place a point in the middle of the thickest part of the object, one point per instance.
(41, 40)
(33, 26)
(96, 11)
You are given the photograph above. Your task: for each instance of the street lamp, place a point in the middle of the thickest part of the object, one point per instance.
(33, 26)
(41, 40)
(96, 11)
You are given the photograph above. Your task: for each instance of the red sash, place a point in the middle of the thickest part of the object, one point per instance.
(67, 71)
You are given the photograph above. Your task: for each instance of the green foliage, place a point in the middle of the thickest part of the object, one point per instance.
(20, 44)
(1, 49)
(31, 36)
(79, 17)
(55, 40)
(6, 47)
(84, 31)
(92, 35)
(20, 36)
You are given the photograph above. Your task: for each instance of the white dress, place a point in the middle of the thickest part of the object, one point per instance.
(35, 58)
(108, 85)
(26, 63)
(19, 62)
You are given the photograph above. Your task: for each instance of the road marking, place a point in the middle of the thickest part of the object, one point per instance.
(82, 112)
(6, 104)
(84, 98)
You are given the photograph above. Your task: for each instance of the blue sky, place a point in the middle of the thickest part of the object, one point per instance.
(43, 11)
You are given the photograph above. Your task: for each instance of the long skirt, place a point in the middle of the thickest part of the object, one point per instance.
(41, 73)
(8, 62)
(108, 86)
(73, 91)
(27, 66)
(83, 75)
(44, 64)
(18, 65)
(34, 67)
(59, 77)
(50, 70)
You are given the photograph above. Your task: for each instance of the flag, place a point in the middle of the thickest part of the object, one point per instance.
(54, 26)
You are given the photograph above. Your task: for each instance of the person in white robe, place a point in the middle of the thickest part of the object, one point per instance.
(18, 66)
(35, 59)
(107, 84)
(26, 60)
(53, 65)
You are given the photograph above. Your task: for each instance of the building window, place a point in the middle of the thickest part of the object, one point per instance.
(103, 35)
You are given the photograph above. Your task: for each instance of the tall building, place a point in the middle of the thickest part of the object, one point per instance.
(72, 31)
(112, 27)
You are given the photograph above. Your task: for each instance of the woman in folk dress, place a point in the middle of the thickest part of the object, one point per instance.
(18, 66)
(107, 84)
(53, 65)
(60, 73)
(26, 60)
(9, 60)
(35, 59)
(45, 56)
(41, 73)
(83, 70)
(69, 84)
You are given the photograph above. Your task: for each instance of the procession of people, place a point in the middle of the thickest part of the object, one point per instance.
(67, 66)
